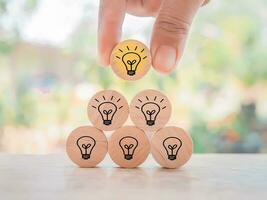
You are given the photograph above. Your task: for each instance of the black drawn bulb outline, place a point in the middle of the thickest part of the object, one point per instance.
(131, 65)
(150, 114)
(128, 145)
(172, 145)
(86, 145)
(107, 114)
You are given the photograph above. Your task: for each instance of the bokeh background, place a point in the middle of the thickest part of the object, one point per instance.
(49, 70)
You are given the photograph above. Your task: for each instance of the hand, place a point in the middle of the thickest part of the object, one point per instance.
(173, 19)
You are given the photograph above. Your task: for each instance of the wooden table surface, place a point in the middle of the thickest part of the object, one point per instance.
(208, 176)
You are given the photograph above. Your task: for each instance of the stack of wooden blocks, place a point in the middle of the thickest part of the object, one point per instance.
(149, 111)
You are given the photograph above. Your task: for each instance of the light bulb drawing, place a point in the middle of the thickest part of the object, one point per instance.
(86, 145)
(150, 109)
(107, 111)
(172, 145)
(131, 59)
(107, 108)
(128, 145)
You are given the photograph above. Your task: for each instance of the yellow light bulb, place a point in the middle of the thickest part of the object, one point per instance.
(131, 61)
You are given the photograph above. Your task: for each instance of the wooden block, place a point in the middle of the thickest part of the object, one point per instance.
(128, 146)
(87, 146)
(171, 147)
(108, 110)
(150, 110)
(130, 60)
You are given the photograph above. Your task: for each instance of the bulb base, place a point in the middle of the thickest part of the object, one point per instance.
(150, 122)
(85, 156)
(131, 72)
(172, 157)
(107, 122)
(128, 157)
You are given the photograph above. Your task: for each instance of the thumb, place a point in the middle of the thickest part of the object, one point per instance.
(170, 31)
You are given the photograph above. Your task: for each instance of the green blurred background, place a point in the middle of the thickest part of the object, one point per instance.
(49, 70)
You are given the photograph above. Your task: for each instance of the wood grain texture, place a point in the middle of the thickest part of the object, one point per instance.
(128, 146)
(171, 147)
(150, 110)
(108, 110)
(86, 146)
(204, 177)
(130, 60)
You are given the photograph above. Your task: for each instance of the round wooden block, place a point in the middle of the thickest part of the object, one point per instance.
(130, 60)
(128, 146)
(171, 147)
(150, 110)
(87, 146)
(108, 110)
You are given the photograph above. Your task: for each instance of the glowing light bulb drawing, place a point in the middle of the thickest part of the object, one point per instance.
(150, 109)
(128, 145)
(131, 59)
(86, 144)
(107, 108)
(172, 145)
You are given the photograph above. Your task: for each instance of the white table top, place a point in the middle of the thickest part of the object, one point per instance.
(208, 176)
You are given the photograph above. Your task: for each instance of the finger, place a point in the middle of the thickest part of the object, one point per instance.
(170, 32)
(111, 16)
(143, 7)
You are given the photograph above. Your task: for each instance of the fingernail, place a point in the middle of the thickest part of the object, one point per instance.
(165, 58)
